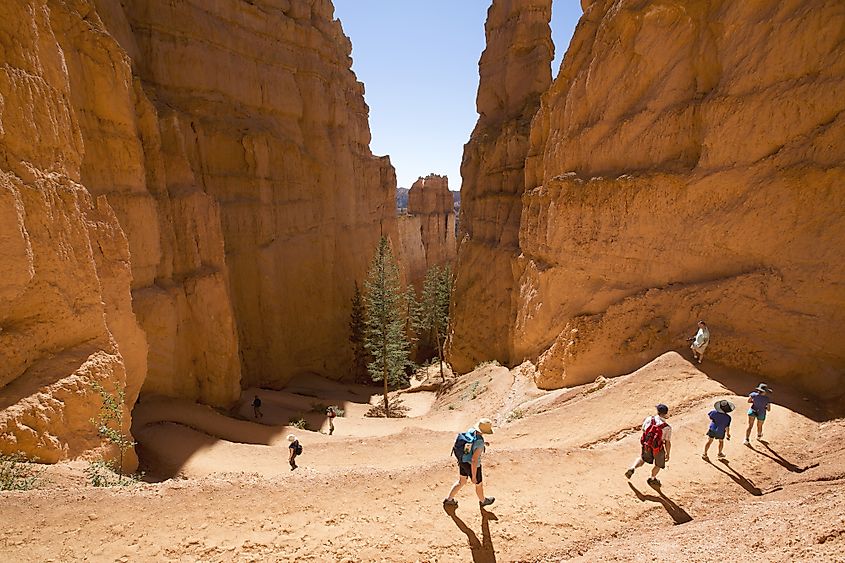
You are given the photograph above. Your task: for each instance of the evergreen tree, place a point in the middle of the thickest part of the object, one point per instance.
(384, 337)
(357, 326)
(437, 294)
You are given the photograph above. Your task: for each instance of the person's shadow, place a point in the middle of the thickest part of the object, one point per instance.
(678, 514)
(777, 458)
(482, 551)
(737, 478)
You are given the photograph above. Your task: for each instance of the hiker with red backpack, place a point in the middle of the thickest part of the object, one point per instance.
(468, 448)
(656, 444)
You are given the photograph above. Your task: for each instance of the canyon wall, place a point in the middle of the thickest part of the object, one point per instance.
(687, 163)
(187, 196)
(426, 234)
(515, 69)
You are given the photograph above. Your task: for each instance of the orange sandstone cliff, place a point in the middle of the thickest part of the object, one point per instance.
(187, 195)
(686, 163)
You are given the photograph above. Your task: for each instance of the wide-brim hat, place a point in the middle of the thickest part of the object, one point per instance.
(291, 438)
(485, 425)
(764, 388)
(724, 406)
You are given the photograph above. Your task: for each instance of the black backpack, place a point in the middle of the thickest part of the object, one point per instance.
(297, 448)
(463, 445)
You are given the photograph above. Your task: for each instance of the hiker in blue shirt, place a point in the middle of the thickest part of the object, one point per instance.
(720, 426)
(760, 405)
(469, 465)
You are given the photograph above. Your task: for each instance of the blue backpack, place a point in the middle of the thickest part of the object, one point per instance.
(463, 445)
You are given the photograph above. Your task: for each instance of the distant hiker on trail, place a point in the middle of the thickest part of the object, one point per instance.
(760, 405)
(720, 426)
(656, 444)
(700, 341)
(256, 408)
(331, 414)
(295, 449)
(468, 448)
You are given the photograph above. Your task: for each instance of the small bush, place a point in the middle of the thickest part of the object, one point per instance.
(487, 364)
(298, 422)
(16, 474)
(475, 390)
(515, 414)
(397, 409)
(451, 407)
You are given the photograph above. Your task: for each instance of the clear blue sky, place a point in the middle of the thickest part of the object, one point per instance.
(418, 61)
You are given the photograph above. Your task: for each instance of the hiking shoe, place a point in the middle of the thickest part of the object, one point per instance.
(653, 481)
(760, 438)
(450, 502)
(721, 456)
(486, 502)
(629, 473)
(746, 442)
(704, 457)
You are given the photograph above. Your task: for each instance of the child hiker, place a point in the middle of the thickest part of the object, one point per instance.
(720, 426)
(760, 405)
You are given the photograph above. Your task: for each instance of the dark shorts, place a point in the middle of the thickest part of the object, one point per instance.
(659, 460)
(465, 469)
(714, 434)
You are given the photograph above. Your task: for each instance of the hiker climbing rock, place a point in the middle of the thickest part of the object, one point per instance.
(256, 408)
(700, 341)
(761, 403)
(468, 448)
(720, 426)
(656, 444)
(295, 449)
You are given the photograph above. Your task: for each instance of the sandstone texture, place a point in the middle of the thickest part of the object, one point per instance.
(686, 163)
(187, 196)
(426, 234)
(515, 69)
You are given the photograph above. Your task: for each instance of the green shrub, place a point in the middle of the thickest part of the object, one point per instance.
(298, 422)
(515, 414)
(16, 474)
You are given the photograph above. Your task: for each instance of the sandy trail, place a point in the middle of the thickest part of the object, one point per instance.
(372, 491)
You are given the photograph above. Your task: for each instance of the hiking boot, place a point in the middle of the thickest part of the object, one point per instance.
(486, 502)
(653, 481)
(704, 457)
(450, 502)
(629, 473)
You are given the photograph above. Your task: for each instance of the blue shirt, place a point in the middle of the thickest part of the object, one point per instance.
(759, 401)
(477, 444)
(719, 421)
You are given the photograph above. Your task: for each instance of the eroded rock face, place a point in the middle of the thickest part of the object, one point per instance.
(687, 163)
(427, 232)
(187, 196)
(515, 69)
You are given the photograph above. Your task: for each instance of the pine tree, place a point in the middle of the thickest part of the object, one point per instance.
(437, 294)
(357, 326)
(384, 337)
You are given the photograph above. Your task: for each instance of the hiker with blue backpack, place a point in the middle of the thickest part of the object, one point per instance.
(656, 443)
(468, 448)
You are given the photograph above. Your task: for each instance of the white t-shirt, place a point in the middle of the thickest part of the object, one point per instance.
(702, 337)
(667, 430)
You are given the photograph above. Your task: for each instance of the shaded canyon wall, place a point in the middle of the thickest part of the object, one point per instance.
(686, 163)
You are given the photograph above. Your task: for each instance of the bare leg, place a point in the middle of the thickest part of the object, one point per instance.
(457, 487)
(750, 426)
(721, 446)
(759, 428)
(654, 471)
(707, 445)
(479, 491)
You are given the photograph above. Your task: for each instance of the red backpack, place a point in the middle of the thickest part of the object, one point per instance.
(653, 436)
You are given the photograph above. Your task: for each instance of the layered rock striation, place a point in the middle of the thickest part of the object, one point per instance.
(687, 163)
(187, 196)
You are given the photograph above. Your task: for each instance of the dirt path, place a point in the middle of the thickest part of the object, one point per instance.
(373, 491)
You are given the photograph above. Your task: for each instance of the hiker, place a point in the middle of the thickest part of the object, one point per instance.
(656, 444)
(468, 448)
(256, 408)
(295, 449)
(720, 426)
(760, 405)
(331, 414)
(700, 341)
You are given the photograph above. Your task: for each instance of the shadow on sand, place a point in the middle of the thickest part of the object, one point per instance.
(678, 514)
(482, 551)
(737, 477)
(777, 458)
